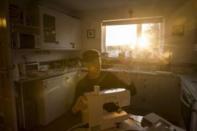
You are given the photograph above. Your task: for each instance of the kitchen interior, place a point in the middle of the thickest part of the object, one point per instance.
(151, 44)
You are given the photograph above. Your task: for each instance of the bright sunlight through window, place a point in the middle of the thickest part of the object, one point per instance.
(132, 40)
(121, 35)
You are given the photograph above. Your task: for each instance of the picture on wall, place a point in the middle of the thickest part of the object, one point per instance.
(90, 33)
(178, 30)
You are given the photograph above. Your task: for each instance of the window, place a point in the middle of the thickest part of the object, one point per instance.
(133, 38)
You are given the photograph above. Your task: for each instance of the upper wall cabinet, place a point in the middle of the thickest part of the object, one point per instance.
(24, 26)
(58, 30)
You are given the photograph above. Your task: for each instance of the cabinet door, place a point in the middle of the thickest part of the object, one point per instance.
(141, 101)
(70, 80)
(48, 24)
(75, 31)
(62, 30)
(168, 97)
(68, 32)
(150, 90)
(136, 102)
(52, 99)
(145, 100)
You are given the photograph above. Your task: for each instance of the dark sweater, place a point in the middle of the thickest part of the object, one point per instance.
(106, 80)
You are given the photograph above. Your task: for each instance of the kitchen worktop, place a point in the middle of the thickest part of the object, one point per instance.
(134, 71)
(58, 72)
(45, 75)
(190, 81)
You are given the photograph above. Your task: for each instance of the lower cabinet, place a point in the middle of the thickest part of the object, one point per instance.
(52, 99)
(156, 92)
(71, 81)
(41, 102)
(141, 102)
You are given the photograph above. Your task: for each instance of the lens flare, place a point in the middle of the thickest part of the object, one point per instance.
(3, 23)
(144, 42)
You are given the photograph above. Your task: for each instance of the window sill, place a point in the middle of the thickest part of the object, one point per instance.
(130, 61)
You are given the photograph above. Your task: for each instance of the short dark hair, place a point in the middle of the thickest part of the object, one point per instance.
(90, 55)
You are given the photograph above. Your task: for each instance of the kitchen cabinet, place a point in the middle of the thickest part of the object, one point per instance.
(52, 99)
(145, 87)
(144, 83)
(58, 30)
(168, 97)
(41, 101)
(24, 26)
(156, 92)
(71, 80)
(56, 96)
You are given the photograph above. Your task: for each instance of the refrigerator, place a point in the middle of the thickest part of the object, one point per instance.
(8, 119)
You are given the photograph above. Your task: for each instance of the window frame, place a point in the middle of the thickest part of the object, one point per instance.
(138, 21)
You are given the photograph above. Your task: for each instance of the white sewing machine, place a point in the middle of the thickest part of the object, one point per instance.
(102, 113)
(99, 101)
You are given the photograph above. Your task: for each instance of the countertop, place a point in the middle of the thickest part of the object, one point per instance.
(58, 72)
(190, 81)
(45, 75)
(148, 72)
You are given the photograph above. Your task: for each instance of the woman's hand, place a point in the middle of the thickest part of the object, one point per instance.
(80, 104)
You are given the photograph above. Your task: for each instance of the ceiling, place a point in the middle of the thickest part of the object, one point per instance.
(82, 5)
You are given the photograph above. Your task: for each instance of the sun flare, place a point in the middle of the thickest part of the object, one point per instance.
(126, 35)
(144, 42)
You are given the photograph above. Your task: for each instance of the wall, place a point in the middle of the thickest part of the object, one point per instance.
(175, 13)
(182, 46)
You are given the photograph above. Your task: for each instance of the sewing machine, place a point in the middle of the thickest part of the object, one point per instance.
(104, 108)
(104, 112)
